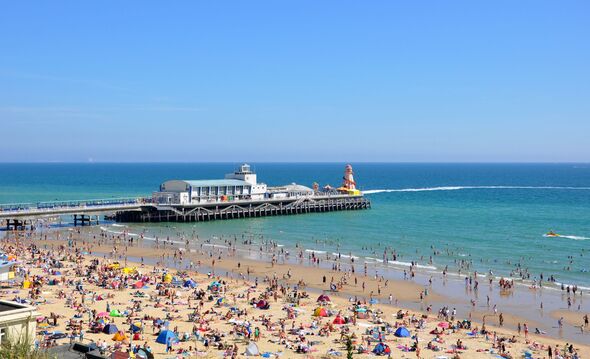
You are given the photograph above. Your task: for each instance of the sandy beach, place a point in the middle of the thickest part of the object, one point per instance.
(83, 280)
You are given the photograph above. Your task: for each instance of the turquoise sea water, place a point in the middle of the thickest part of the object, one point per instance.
(494, 215)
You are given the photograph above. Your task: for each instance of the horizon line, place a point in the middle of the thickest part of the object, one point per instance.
(294, 162)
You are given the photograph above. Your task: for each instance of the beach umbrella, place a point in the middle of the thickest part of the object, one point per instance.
(323, 298)
(102, 314)
(320, 312)
(252, 350)
(444, 325)
(138, 285)
(165, 335)
(339, 320)
(110, 329)
(402, 332)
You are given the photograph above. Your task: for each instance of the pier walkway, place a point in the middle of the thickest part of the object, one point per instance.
(143, 210)
(55, 208)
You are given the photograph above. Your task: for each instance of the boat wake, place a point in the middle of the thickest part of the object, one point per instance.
(575, 238)
(457, 188)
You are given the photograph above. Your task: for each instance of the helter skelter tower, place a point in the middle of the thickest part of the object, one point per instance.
(348, 178)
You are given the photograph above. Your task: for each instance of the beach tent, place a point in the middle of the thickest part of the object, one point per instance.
(214, 286)
(373, 301)
(262, 304)
(165, 335)
(135, 328)
(339, 320)
(26, 284)
(252, 350)
(128, 270)
(115, 313)
(402, 332)
(323, 298)
(190, 283)
(167, 278)
(119, 337)
(382, 349)
(320, 312)
(110, 329)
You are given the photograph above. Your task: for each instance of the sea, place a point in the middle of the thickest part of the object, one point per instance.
(493, 217)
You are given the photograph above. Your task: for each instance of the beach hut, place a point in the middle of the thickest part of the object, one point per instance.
(402, 332)
(165, 335)
(252, 350)
(110, 329)
(320, 312)
(381, 349)
(339, 320)
(120, 337)
(323, 298)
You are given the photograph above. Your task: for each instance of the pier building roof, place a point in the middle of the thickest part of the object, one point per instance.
(216, 182)
(293, 187)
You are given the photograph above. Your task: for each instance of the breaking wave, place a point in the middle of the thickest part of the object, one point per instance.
(457, 188)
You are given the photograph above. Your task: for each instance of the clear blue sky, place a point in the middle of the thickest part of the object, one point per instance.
(295, 81)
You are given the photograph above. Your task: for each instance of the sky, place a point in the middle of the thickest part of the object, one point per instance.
(290, 81)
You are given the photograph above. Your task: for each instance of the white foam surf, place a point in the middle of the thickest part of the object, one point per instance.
(457, 188)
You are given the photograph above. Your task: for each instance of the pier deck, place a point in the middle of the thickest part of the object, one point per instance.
(243, 209)
(142, 210)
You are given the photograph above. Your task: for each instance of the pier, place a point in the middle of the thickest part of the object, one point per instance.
(244, 209)
(143, 210)
(238, 195)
